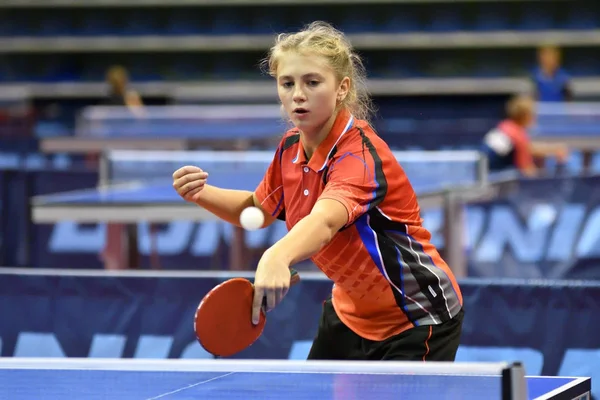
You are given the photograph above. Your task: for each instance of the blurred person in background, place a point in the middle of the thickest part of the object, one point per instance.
(552, 82)
(119, 92)
(508, 146)
(114, 255)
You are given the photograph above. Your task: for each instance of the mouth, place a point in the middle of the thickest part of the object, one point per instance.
(300, 111)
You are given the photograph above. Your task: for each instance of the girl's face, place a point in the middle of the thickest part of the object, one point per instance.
(309, 90)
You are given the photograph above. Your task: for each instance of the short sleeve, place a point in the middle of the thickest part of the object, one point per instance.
(269, 191)
(523, 157)
(357, 181)
(499, 142)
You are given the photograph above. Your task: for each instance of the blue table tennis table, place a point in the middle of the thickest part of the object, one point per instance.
(156, 202)
(134, 379)
(139, 185)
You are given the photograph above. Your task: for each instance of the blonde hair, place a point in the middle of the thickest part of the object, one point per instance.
(520, 107)
(116, 75)
(549, 47)
(322, 39)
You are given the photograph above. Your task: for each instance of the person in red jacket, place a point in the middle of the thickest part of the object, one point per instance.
(508, 145)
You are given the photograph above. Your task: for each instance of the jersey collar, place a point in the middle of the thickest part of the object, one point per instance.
(343, 122)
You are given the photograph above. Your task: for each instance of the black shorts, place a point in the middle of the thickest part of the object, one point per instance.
(335, 341)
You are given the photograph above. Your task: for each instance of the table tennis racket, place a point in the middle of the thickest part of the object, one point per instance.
(223, 320)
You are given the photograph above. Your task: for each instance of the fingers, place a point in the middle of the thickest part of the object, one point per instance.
(283, 291)
(257, 305)
(270, 298)
(185, 170)
(189, 181)
(271, 284)
(280, 294)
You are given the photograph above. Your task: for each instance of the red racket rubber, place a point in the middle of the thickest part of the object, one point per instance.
(223, 319)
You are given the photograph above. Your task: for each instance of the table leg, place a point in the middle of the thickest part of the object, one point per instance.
(120, 250)
(587, 160)
(237, 250)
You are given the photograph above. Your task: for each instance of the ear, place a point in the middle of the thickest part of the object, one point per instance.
(343, 89)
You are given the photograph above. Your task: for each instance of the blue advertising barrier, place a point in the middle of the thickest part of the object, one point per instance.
(548, 325)
(544, 228)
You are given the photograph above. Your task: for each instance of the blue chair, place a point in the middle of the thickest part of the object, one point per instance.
(587, 65)
(266, 21)
(58, 71)
(353, 21)
(140, 23)
(583, 16)
(446, 20)
(182, 22)
(144, 71)
(492, 17)
(94, 70)
(398, 66)
(228, 22)
(54, 25)
(15, 25)
(401, 21)
(225, 67)
(186, 68)
(100, 23)
(535, 17)
(486, 68)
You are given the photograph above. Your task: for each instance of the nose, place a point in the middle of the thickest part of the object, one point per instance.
(299, 96)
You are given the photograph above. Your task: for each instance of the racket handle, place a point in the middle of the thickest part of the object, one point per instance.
(295, 278)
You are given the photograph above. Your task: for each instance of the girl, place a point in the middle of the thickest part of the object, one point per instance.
(349, 207)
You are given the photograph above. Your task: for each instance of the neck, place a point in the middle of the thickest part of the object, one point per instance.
(119, 89)
(312, 140)
(519, 122)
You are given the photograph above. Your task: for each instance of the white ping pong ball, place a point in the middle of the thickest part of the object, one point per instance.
(252, 218)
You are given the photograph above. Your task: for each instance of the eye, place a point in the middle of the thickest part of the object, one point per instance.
(313, 82)
(287, 85)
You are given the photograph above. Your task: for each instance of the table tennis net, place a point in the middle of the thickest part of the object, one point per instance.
(567, 119)
(201, 122)
(427, 170)
(279, 366)
(417, 379)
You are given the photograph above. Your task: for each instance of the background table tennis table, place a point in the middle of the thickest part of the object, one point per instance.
(171, 127)
(158, 202)
(266, 379)
(132, 192)
(186, 127)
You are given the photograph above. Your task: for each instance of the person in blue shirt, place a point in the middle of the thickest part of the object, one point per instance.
(552, 82)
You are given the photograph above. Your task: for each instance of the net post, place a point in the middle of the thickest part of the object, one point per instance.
(482, 170)
(121, 249)
(104, 170)
(454, 230)
(514, 386)
(454, 233)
